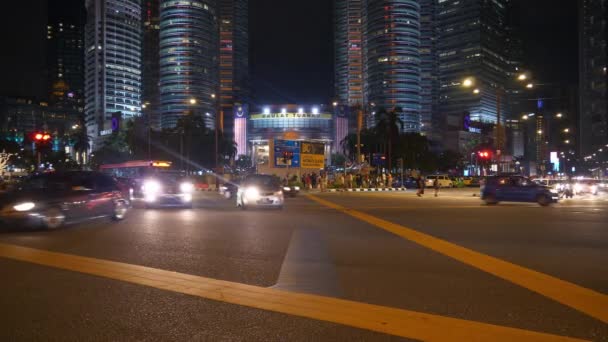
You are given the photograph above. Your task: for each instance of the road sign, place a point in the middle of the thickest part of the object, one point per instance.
(286, 147)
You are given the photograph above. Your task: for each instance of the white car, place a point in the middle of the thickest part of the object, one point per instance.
(444, 181)
(260, 191)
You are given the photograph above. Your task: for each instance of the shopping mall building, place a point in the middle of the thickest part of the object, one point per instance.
(255, 131)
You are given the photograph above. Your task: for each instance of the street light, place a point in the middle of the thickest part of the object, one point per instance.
(567, 142)
(522, 77)
(212, 96)
(559, 115)
(525, 117)
(335, 104)
(468, 82)
(540, 131)
(476, 91)
(566, 130)
(193, 101)
(529, 85)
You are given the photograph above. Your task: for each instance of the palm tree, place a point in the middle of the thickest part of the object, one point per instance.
(389, 125)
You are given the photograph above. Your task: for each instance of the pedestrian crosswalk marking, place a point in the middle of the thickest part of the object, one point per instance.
(393, 321)
(592, 303)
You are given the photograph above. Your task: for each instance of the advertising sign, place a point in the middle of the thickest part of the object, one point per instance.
(286, 153)
(313, 155)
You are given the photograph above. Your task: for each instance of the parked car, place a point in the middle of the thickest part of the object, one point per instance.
(516, 189)
(52, 199)
(444, 181)
(260, 191)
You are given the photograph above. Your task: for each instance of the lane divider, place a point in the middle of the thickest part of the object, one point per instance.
(398, 322)
(590, 302)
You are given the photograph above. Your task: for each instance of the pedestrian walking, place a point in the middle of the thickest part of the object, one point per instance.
(314, 180)
(420, 184)
(436, 186)
(307, 181)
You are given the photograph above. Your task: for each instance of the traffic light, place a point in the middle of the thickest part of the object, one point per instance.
(287, 156)
(484, 155)
(41, 137)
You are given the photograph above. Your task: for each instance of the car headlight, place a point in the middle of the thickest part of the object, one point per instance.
(252, 193)
(186, 187)
(578, 187)
(553, 191)
(286, 188)
(297, 188)
(25, 206)
(594, 188)
(151, 187)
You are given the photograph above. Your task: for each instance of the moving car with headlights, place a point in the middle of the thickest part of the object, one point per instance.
(260, 191)
(516, 189)
(291, 190)
(586, 186)
(53, 199)
(167, 190)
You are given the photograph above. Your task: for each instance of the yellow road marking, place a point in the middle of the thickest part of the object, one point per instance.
(592, 303)
(377, 318)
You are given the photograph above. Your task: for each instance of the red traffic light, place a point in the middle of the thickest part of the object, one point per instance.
(38, 136)
(46, 137)
(484, 154)
(42, 137)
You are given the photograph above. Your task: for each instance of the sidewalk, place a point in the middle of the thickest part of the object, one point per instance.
(453, 192)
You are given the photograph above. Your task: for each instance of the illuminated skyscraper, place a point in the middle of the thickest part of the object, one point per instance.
(188, 61)
(150, 62)
(471, 45)
(112, 63)
(593, 90)
(234, 59)
(392, 58)
(65, 54)
(348, 45)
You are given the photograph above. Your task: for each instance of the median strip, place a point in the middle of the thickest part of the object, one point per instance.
(398, 322)
(592, 303)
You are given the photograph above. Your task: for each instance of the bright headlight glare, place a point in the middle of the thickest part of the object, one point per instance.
(593, 188)
(286, 188)
(186, 187)
(578, 187)
(151, 187)
(297, 188)
(252, 193)
(25, 206)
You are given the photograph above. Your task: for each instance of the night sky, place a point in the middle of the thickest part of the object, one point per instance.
(291, 47)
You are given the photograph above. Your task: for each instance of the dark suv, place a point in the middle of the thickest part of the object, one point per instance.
(516, 189)
(53, 199)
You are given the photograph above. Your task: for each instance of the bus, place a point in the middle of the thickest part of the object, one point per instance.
(130, 175)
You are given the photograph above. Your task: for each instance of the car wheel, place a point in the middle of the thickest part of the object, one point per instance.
(120, 211)
(53, 218)
(491, 200)
(543, 200)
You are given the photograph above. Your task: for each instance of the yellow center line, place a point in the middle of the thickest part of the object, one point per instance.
(592, 303)
(398, 322)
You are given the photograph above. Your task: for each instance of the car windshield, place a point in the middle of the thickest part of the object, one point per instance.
(262, 180)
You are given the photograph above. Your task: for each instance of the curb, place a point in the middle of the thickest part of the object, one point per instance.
(369, 190)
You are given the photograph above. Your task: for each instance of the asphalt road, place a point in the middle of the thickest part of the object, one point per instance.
(310, 247)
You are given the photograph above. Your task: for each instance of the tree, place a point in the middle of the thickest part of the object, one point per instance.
(338, 159)
(227, 148)
(388, 126)
(5, 158)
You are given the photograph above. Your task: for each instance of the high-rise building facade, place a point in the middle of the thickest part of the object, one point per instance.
(473, 68)
(112, 64)
(233, 60)
(65, 54)
(348, 45)
(593, 119)
(188, 61)
(150, 62)
(391, 54)
(429, 82)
